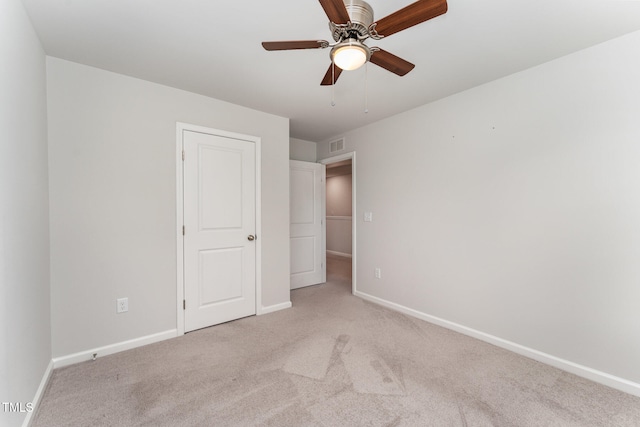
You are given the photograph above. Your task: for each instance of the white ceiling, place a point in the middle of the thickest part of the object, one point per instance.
(212, 47)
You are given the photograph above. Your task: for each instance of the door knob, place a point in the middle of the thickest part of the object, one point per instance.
(251, 237)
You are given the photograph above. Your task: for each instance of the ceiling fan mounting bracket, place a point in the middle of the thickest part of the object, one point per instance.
(373, 33)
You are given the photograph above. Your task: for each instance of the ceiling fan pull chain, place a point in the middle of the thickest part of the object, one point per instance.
(333, 84)
(366, 87)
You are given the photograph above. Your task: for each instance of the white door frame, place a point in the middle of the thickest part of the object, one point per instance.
(339, 158)
(180, 128)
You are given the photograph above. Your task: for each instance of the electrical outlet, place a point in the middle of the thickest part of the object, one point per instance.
(378, 273)
(122, 305)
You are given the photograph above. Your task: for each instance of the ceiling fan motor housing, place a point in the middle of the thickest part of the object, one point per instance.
(361, 17)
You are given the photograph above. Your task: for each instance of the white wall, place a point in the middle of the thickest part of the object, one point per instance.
(300, 149)
(339, 214)
(112, 144)
(513, 208)
(25, 335)
(339, 195)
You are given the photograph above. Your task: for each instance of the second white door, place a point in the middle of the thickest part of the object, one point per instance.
(307, 232)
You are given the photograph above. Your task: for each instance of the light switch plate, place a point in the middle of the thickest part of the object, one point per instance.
(368, 216)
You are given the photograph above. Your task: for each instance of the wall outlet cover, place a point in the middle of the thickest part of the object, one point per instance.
(122, 305)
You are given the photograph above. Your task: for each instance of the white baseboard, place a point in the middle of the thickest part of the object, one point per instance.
(276, 307)
(339, 254)
(113, 348)
(565, 365)
(39, 393)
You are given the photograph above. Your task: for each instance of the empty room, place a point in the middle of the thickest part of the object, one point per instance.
(322, 213)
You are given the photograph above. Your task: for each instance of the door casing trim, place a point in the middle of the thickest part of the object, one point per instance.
(180, 128)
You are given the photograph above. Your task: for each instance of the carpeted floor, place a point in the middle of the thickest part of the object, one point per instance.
(331, 360)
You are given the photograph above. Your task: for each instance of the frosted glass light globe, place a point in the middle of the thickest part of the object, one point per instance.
(350, 57)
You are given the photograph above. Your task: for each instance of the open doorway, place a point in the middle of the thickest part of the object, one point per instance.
(340, 224)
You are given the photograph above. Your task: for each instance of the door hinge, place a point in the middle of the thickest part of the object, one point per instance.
(184, 304)
(183, 155)
(183, 230)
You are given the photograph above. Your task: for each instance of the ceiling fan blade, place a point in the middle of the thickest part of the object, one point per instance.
(414, 14)
(331, 77)
(295, 44)
(336, 11)
(390, 62)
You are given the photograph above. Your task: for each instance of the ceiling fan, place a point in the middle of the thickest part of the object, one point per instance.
(351, 22)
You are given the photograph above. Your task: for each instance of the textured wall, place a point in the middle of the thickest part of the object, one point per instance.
(112, 147)
(25, 333)
(512, 208)
(302, 150)
(339, 214)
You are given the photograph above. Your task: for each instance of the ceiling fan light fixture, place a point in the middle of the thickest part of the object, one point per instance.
(350, 55)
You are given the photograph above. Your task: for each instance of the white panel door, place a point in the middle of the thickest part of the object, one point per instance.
(220, 218)
(306, 191)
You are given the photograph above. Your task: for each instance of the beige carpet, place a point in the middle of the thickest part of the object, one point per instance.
(331, 360)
